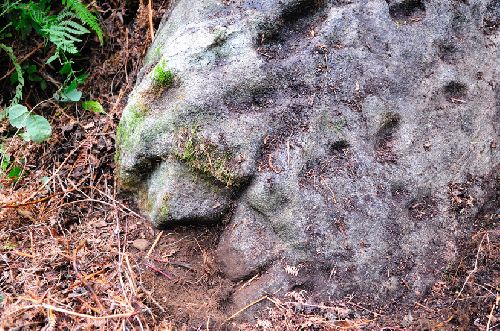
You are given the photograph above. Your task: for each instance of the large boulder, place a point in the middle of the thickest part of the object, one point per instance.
(349, 144)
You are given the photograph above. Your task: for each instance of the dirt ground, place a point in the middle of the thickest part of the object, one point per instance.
(75, 255)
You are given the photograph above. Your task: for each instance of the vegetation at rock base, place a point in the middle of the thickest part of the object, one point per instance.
(61, 25)
(56, 195)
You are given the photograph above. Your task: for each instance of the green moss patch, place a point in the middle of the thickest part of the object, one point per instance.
(129, 123)
(162, 76)
(163, 213)
(164, 210)
(201, 154)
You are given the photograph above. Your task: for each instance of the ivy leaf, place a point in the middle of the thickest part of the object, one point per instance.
(93, 106)
(18, 114)
(38, 129)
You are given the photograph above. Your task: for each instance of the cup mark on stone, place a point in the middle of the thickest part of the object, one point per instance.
(297, 9)
(339, 147)
(422, 209)
(455, 91)
(384, 139)
(447, 51)
(399, 192)
(406, 11)
(491, 20)
(278, 34)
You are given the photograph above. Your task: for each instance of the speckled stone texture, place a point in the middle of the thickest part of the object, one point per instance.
(361, 138)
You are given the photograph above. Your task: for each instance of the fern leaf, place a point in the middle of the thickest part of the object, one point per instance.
(65, 14)
(37, 14)
(19, 88)
(85, 16)
(63, 32)
(63, 40)
(74, 28)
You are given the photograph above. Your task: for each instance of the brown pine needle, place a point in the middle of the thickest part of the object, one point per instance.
(246, 307)
(490, 317)
(69, 312)
(154, 244)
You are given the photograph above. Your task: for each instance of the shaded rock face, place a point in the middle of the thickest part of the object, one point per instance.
(348, 144)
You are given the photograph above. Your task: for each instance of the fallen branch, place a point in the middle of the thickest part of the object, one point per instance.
(73, 313)
(150, 14)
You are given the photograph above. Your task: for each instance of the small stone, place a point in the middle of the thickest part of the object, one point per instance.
(26, 214)
(101, 224)
(141, 244)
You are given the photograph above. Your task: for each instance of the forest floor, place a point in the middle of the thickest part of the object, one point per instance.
(76, 255)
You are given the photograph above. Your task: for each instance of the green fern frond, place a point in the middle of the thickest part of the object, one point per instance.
(74, 28)
(37, 14)
(66, 14)
(85, 16)
(63, 38)
(20, 79)
(64, 31)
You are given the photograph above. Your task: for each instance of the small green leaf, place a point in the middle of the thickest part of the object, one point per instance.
(18, 114)
(14, 173)
(93, 106)
(71, 94)
(38, 129)
(80, 79)
(4, 165)
(2, 297)
(30, 69)
(66, 68)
